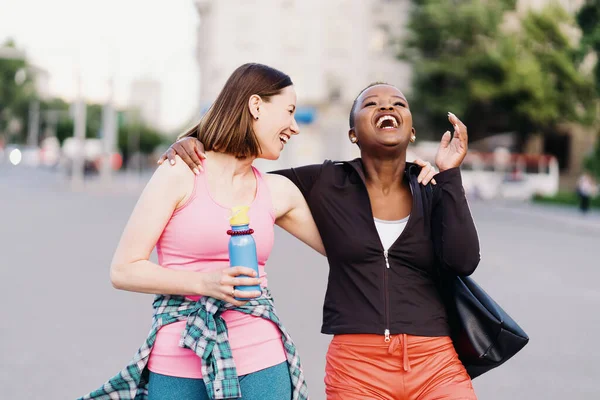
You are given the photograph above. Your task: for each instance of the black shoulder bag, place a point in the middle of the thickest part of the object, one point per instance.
(484, 335)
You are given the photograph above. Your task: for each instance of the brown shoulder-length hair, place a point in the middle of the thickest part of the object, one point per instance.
(227, 126)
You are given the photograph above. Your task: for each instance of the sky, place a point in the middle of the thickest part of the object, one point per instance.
(126, 39)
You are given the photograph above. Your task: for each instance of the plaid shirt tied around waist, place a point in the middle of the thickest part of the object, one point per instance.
(205, 334)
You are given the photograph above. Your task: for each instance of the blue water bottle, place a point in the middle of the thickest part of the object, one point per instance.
(242, 248)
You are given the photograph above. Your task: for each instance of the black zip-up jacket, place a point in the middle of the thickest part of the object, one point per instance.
(374, 291)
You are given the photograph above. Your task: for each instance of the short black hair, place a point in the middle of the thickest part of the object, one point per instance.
(351, 118)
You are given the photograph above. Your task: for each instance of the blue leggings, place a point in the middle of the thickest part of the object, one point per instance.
(272, 383)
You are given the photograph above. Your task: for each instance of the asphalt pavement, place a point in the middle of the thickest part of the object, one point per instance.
(65, 330)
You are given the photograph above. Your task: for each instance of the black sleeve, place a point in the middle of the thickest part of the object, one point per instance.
(454, 234)
(303, 177)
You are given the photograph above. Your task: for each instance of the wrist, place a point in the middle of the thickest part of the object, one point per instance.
(448, 175)
(446, 167)
(196, 283)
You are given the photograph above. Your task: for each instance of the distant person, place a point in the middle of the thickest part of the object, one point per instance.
(190, 354)
(586, 190)
(385, 236)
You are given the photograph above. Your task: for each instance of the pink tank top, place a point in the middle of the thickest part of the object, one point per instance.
(195, 239)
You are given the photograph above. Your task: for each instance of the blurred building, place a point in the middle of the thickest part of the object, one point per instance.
(331, 49)
(145, 97)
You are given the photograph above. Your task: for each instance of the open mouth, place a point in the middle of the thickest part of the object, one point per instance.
(387, 122)
(283, 138)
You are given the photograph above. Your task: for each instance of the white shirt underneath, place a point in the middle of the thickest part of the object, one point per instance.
(389, 231)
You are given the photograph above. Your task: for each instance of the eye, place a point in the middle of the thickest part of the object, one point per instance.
(399, 103)
(371, 103)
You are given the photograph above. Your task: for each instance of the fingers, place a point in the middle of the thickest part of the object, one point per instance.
(238, 297)
(199, 148)
(235, 271)
(429, 177)
(230, 299)
(243, 294)
(167, 155)
(460, 129)
(171, 153)
(427, 172)
(243, 281)
(185, 156)
(195, 157)
(195, 151)
(446, 138)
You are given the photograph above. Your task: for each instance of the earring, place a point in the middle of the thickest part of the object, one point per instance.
(353, 140)
(257, 117)
(413, 138)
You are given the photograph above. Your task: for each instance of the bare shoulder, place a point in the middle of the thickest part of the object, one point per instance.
(281, 186)
(176, 179)
(278, 182)
(284, 194)
(178, 172)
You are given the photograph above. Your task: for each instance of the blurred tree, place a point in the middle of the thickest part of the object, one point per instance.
(64, 126)
(498, 74)
(17, 89)
(592, 162)
(588, 18)
(135, 136)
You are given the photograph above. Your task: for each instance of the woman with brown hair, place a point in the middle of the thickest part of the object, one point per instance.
(386, 236)
(204, 343)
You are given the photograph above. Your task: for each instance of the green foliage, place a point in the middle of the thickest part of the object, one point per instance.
(14, 96)
(588, 18)
(467, 61)
(592, 161)
(135, 136)
(565, 198)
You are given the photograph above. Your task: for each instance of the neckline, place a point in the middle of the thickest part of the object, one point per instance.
(397, 221)
(409, 219)
(256, 193)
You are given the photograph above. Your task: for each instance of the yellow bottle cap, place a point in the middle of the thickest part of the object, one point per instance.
(239, 216)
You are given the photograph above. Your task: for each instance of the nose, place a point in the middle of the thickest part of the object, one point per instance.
(388, 108)
(294, 127)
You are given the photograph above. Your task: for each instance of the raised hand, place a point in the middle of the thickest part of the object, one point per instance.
(453, 147)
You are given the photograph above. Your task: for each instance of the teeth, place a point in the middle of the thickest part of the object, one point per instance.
(385, 118)
(284, 138)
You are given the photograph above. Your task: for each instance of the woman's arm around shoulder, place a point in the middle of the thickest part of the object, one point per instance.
(292, 212)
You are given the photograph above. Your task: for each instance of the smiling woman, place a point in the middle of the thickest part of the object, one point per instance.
(185, 216)
(386, 237)
(392, 113)
(239, 132)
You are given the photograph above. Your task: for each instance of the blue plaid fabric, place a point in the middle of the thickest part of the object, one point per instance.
(205, 334)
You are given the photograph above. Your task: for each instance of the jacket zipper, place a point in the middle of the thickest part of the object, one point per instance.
(386, 295)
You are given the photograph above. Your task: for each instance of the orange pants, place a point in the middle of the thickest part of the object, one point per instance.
(365, 367)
